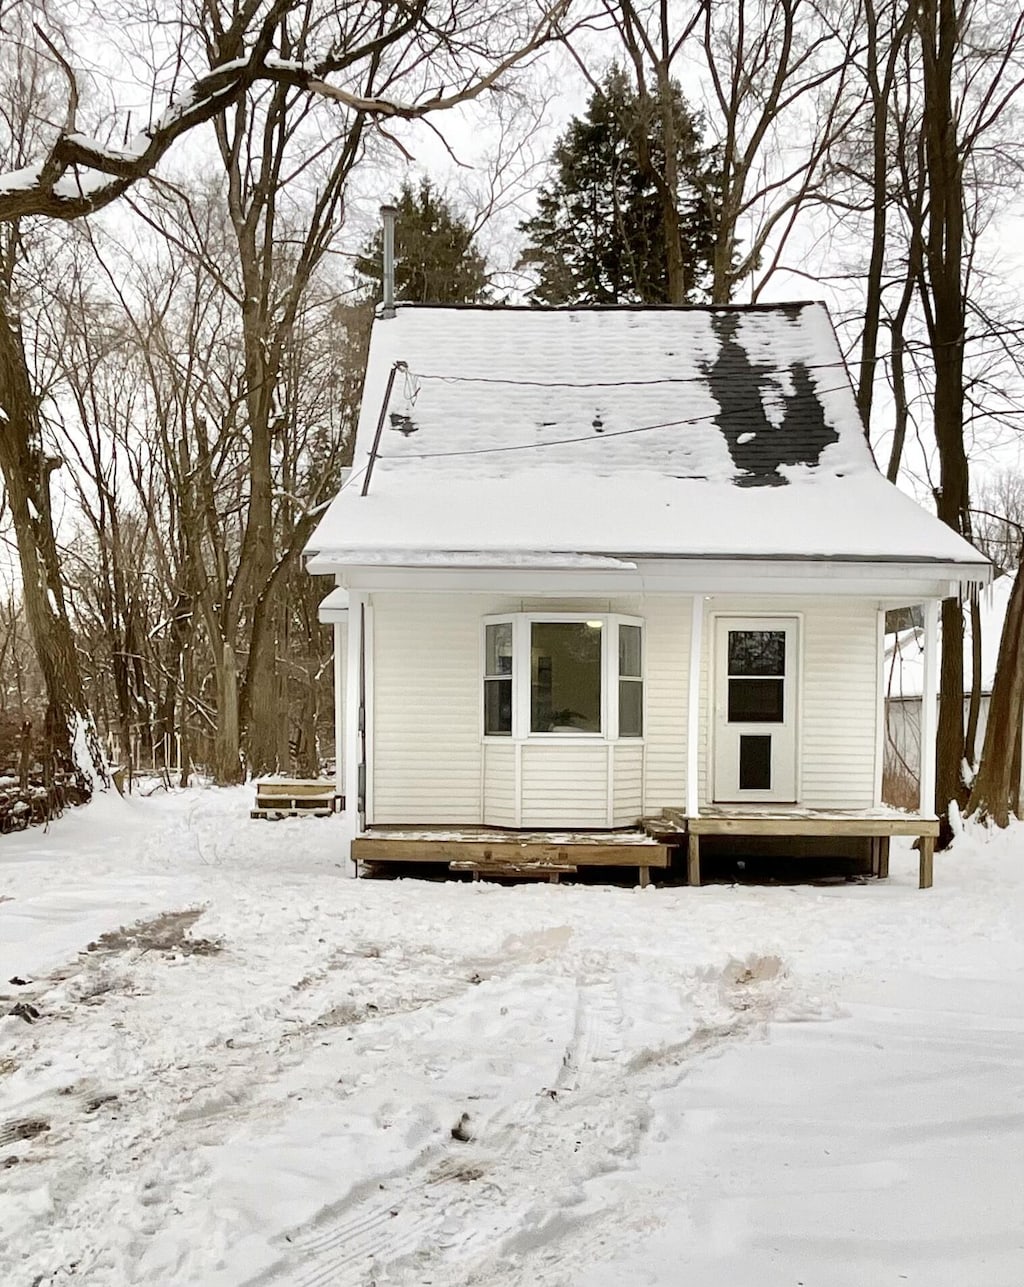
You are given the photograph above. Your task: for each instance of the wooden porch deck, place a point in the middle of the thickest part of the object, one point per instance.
(876, 826)
(496, 851)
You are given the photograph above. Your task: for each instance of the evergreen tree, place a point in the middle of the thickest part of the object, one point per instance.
(598, 236)
(435, 262)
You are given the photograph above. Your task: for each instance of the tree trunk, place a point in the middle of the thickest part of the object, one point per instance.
(26, 471)
(227, 765)
(25, 757)
(669, 190)
(994, 791)
(943, 262)
(974, 702)
(901, 408)
(261, 712)
(258, 712)
(185, 741)
(881, 165)
(285, 759)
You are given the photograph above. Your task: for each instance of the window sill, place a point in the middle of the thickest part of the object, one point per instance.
(555, 739)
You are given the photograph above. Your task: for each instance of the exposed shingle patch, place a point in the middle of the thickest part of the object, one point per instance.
(743, 389)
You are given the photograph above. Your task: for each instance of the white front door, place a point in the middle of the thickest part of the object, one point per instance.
(755, 709)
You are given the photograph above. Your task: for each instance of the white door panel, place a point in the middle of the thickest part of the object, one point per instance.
(755, 709)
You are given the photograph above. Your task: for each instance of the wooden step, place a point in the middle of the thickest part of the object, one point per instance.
(276, 811)
(296, 798)
(280, 801)
(295, 786)
(524, 871)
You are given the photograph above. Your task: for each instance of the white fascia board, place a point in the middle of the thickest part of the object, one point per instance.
(897, 583)
(333, 608)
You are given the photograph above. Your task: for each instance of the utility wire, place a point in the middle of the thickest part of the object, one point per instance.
(594, 384)
(591, 437)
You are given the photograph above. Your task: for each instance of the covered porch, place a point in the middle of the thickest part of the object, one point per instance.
(876, 827)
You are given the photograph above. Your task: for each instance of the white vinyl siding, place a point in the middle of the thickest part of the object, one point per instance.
(839, 709)
(430, 763)
(627, 783)
(426, 711)
(565, 784)
(499, 784)
(666, 661)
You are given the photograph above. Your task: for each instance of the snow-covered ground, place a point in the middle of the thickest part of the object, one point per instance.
(724, 1087)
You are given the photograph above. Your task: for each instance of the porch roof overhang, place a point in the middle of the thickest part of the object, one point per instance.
(333, 608)
(550, 574)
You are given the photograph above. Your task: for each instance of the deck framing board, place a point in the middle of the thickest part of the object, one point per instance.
(860, 828)
(588, 853)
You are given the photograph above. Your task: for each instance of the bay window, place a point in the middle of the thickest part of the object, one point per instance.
(631, 682)
(565, 676)
(498, 679)
(548, 675)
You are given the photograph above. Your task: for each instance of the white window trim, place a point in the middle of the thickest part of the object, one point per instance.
(521, 651)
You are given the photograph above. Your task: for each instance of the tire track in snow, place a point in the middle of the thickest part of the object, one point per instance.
(346, 1246)
(547, 1254)
(461, 1219)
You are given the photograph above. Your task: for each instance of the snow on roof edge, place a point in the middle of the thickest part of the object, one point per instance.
(769, 307)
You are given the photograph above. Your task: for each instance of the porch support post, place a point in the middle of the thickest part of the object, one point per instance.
(929, 708)
(693, 859)
(353, 759)
(927, 862)
(338, 632)
(693, 707)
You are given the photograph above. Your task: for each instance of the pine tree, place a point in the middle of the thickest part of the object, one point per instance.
(598, 236)
(435, 262)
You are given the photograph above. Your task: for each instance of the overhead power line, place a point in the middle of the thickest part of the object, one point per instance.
(593, 384)
(591, 437)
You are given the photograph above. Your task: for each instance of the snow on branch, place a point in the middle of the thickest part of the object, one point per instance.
(81, 174)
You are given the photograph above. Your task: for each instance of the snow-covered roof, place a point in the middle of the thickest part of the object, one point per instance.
(681, 432)
(904, 653)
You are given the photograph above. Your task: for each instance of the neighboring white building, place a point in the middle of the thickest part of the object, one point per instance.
(595, 564)
(904, 677)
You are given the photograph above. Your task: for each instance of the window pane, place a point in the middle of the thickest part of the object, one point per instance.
(629, 651)
(565, 677)
(755, 763)
(756, 701)
(631, 708)
(497, 706)
(498, 649)
(757, 652)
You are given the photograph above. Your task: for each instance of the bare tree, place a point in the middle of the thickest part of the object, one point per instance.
(995, 791)
(779, 74)
(921, 174)
(375, 63)
(998, 518)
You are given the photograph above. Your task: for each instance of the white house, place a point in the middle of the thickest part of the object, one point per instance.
(904, 680)
(602, 565)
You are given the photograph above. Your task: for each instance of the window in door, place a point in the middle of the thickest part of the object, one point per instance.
(757, 670)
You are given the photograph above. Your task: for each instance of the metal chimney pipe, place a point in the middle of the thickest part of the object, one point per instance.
(388, 215)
